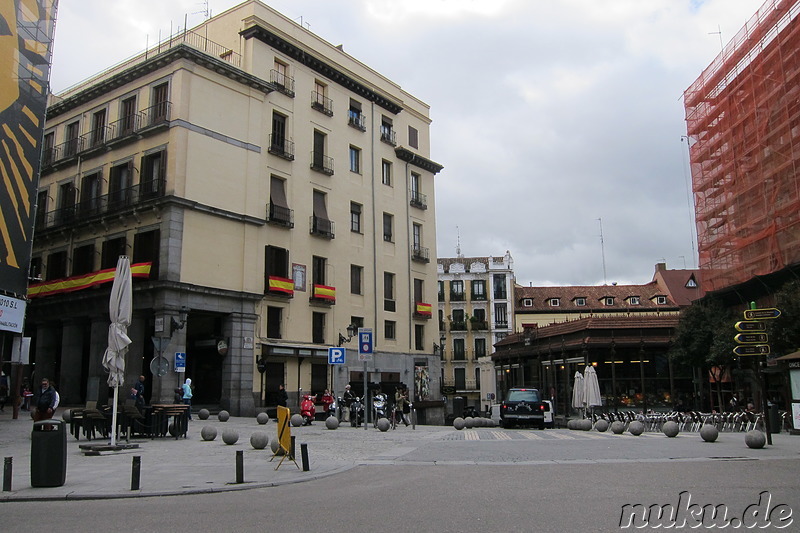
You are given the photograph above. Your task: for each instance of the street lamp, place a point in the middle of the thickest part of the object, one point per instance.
(176, 325)
(352, 329)
(439, 347)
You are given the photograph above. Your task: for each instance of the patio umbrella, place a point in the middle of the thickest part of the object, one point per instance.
(120, 308)
(577, 391)
(591, 394)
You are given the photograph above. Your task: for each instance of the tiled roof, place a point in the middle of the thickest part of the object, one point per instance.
(541, 297)
(673, 282)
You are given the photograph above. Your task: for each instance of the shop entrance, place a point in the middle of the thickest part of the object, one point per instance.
(203, 361)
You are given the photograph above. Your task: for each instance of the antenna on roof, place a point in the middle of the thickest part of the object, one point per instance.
(603, 251)
(718, 32)
(458, 242)
(205, 11)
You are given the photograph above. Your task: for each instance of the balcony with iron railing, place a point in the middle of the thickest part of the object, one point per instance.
(321, 227)
(388, 135)
(283, 82)
(418, 200)
(478, 325)
(278, 215)
(114, 203)
(465, 385)
(420, 254)
(478, 297)
(321, 103)
(321, 163)
(457, 296)
(500, 294)
(281, 147)
(501, 324)
(357, 120)
(458, 325)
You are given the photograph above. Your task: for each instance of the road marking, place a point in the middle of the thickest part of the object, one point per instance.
(471, 435)
(532, 436)
(501, 435)
(563, 436)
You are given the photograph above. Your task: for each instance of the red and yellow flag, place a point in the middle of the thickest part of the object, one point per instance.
(283, 285)
(84, 281)
(324, 292)
(423, 309)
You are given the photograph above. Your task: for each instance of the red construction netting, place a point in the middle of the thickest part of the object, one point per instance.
(743, 123)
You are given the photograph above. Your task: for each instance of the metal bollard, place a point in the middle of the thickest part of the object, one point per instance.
(304, 454)
(7, 470)
(239, 466)
(292, 449)
(136, 470)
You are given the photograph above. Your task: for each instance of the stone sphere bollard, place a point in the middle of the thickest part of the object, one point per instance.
(208, 433)
(709, 433)
(670, 429)
(331, 422)
(66, 416)
(223, 416)
(383, 424)
(469, 422)
(296, 420)
(173, 430)
(585, 425)
(571, 424)
(203, 414)
(755, 439)
(617, 427)
(259, 440)
(636, 428)
(477, 422)
(275, 446)
(459, 423)
(262, 418)
(230, 436)
(601, 426)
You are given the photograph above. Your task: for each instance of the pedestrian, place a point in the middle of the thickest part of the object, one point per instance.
(26, 394)
(400, 400)
(5, 387)
(327, 400)
(283, 397)
(187, 395)
(45, 401)
(139, 386)
(347, 398)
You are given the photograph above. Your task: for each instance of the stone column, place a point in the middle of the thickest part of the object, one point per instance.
(237, 368)
(69, 384)
(97, 385)
(48, 339)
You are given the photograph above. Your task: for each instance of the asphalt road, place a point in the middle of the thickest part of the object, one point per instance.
(505, 481)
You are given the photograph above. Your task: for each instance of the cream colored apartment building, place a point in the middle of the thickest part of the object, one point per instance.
(280, 191)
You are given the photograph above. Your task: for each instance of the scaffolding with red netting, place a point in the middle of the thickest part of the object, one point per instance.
(743, 123)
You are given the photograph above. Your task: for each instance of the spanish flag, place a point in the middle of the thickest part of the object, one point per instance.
(84, 281)
(283, 285)
(324, 292)
(423, 309)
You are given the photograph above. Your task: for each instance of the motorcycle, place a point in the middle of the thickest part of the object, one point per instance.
(307, 410)
(356, 412)
(379, 408)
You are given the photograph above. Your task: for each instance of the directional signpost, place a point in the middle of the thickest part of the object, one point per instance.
(762, 314)
(750, 325)
(365, 349)
(751, 349)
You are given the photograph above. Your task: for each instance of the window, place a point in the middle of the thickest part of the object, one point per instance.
(318, 328)
(128, 116)
(356, 275)
(499, 286)
(357, 321)
(355, 160)
(457, 290)
(319, 161)
(634, 300)
(320, 100)
(527, 302)
(661, 300)
(153, 174)
(478, 289)
(119, 186)
(387, 131)
(459, 353)
(66, 203)
(691, 284)
(417, 198)
(555, 302)
(479, 314)
(460, 378)
(146, 247)
(500, 316)
(274, 322)
(278, 210)
(355, 217)
(112, 249)
(413, 137)
(608, 300)
(386, 173)
(389, 329)
(416, 234)
(480, 347)
(57, 265)
(440, 284)
(71, 135)
(160, 107)
(98, 128)
(354, 116)
(388, 222)
(318, 268)
(419, 292)
(580, 302)
(35, 270)
(280, 75)
(47, 148)
(276, 262)
(83, 260)
(278, 145)
(41, 208)
(419, 337)
(320, 224)
(388, 286)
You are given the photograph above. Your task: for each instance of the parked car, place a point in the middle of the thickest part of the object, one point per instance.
(523, 406)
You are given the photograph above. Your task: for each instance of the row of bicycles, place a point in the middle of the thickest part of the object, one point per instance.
(693, 420)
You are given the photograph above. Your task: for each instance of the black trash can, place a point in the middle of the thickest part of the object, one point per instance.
(774, 418)
(48, 453)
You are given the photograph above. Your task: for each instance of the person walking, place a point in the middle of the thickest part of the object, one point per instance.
(283, 396)
(400, 400)
(187, 395)
(45, 401)
(347, 399)
(139, 398)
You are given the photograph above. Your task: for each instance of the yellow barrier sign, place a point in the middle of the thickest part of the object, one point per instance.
(284, 437)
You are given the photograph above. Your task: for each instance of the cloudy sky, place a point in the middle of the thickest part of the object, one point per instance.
(553, 118)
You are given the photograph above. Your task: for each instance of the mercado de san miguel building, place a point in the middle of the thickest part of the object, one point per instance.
(273, 193)
(624, 331)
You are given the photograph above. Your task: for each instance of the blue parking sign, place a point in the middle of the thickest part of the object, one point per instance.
(336, 356)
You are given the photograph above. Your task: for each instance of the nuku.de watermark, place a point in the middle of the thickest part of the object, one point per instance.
(692, 515)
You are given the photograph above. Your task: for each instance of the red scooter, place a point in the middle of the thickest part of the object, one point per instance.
(307, 410)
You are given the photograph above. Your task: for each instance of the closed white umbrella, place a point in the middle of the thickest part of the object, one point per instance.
(591, 392)
(120, 309)
(577, 391)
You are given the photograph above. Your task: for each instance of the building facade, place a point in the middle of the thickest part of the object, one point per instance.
(279, 191)
(475, 312)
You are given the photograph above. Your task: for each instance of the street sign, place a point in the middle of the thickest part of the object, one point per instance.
(750, 326)
(180, 361)
(262, 365)
(365, 344)
(751, 349)
(751, 338)
(762, 314)
(336, 356)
